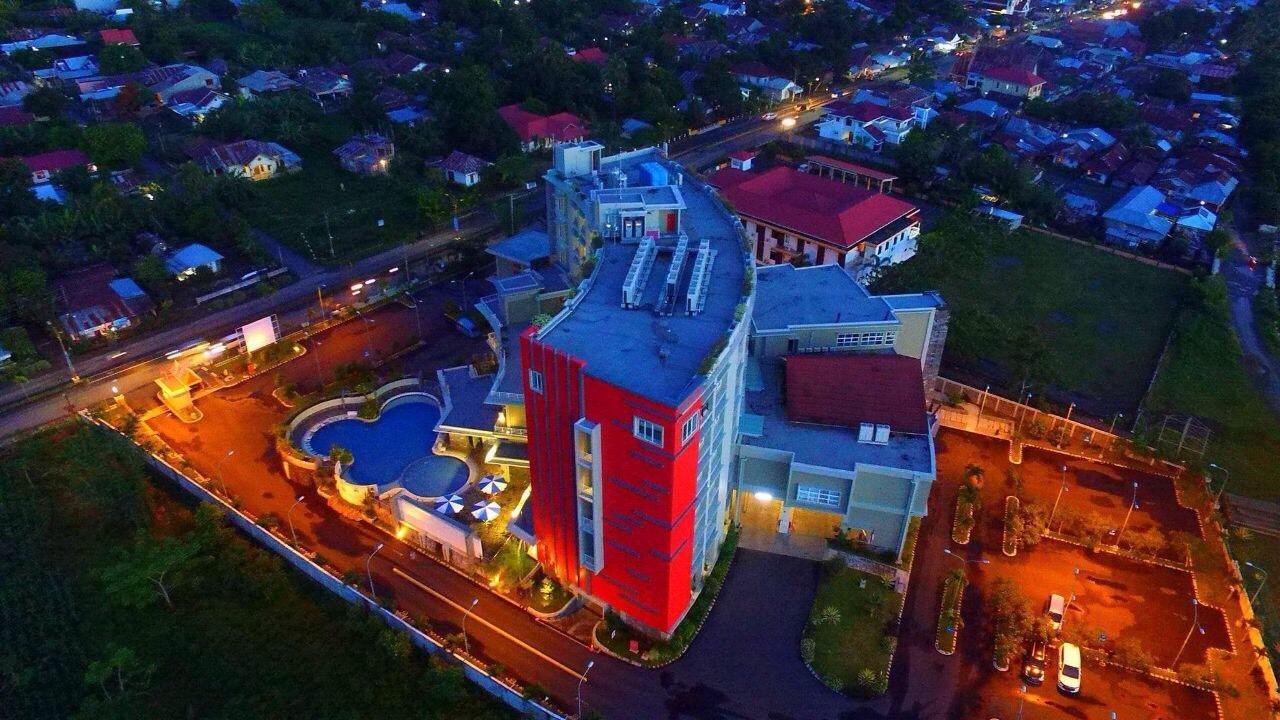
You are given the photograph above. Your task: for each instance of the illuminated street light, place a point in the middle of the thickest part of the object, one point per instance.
(221, 481)
(1254, 597)
(289, 516)
(466, 644)
(1195, 625)
(369, 571)
(590, 664)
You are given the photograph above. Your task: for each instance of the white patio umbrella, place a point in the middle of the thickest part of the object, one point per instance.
(450, 505)
(486, 510)
(490, 484)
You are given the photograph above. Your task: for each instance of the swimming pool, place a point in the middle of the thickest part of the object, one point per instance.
(396, 446)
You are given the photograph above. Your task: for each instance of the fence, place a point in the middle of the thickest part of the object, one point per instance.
(835, 148)
(258, 277)
(1016, 417)
(493, 685)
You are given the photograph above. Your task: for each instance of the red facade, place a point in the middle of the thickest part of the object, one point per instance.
(645, 495)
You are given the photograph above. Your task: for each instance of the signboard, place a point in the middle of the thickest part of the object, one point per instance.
(260, 333)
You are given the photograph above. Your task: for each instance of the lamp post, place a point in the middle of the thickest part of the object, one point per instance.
(369, 570)
(1114, 418)
(1061, 488)
(1258, 591)
(983, 403)
(1132, 505)
(466, 644)
(965, 560)
(590, 664)
(1195, 625)
(1226, 475)
(289, 517)
(222, 481)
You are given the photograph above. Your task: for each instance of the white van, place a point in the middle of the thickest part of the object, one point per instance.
(1054, 609)
(1069, 668)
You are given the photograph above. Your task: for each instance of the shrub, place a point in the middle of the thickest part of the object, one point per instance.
(808, 646)
(368, 409)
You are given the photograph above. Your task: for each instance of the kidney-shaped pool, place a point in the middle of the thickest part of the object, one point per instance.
(396, 446)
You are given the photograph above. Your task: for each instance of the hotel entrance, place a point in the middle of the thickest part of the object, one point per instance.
(769, 526)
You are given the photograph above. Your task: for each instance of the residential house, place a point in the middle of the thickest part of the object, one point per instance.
(756, 76)
(92, 301)
(368, 154)
(54, 43)
(264, 82)
(188, 260)
(793, 216)
(67, 70)
(162, 82)
(539, 131)
(1103, 165)
(13, 91)
(252, 159)
(1006, 80)
(196, 104)
(463, 169)
(866, 124)
(327, 88)
(118, 36)
(1142, 216)
(44, 166)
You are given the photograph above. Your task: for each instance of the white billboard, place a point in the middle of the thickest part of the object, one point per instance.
(259, 333)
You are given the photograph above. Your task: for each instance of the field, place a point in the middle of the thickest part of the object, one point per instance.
(1092, 323)
(303, 208)
(121, 601)
(1203, 376)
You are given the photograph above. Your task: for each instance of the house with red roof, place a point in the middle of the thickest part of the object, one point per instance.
(795, 217)
(867, 124)
(539, 131)
(47, 164)
(118, 36)
(1006, 80)
(592, 55)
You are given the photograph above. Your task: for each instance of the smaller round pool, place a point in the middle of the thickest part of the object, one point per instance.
(434, 476)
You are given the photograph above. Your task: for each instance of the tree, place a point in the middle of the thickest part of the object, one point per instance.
(118, 58)
(114, 145)
(16, 197)
(45, 102)
(1033, 523)
(1171, 84)
(1010, 617)
(150, 569)
(920, 68)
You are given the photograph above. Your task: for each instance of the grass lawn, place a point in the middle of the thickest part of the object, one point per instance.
(1203, 375)
(1263, 551)
(1104, 318)
(292, 209)
(857, 639)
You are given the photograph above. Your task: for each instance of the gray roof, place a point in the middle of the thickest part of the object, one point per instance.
(529, 244)
(621, 346)
(788, 296)
(191, 256)
(1138, 208)
(914, 301)
(466, 393)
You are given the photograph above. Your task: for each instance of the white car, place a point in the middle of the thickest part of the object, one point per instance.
(1069, 668)
(1056, 606)
(769, 116)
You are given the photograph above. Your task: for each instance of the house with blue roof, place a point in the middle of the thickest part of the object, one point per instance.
(1140, 217)
(185, 261)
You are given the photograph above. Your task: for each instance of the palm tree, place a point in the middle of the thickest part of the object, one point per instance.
(973, 474)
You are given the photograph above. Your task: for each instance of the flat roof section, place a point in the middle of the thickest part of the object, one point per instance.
(654, 356)
(787, 296)
(466, 392)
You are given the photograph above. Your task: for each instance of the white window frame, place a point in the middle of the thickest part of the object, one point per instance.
(689, 427)
(646, 430)
(535, 381)
(847, 340)
(818, 495)
(866, 432)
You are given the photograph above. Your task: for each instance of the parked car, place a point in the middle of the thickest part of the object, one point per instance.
(1069, 668)
(1033, 667)
(769, 116)
(1054, 609)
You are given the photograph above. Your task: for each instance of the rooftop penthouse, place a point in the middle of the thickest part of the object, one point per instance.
(668, 276)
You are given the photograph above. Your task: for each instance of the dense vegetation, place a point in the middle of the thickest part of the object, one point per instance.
(121, 602)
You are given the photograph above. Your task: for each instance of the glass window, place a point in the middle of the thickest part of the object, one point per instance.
(846, 340)
(818, 495)
(647, 430)
(535, 381)
(689, 427)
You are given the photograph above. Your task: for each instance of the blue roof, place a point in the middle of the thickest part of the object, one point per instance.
(466, 393)
(126, 288)
(192, 256)
(787, 296)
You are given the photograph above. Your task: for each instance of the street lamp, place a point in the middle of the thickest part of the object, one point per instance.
(289, 516)
(1061, 489)
(222, 481)
(369, 571)
(1114, 418)
(1132, 505)
(1195, 625)
(466, 644)
(590, 664)
(1256, 592)
(1226, 475)
(961, 558)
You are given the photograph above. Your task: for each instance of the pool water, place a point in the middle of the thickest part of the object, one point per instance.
(399, 440)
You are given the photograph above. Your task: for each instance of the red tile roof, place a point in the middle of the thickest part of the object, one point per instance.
(862, 170)
(742, 154)
(14, 115)
(850, 388)
(593, 55)
(560, 126)
(1014, 75)
(123, 36)
(841, 214)
(55, 160)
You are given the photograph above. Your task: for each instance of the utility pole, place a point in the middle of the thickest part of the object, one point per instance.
(66, 355)
(1132, 505)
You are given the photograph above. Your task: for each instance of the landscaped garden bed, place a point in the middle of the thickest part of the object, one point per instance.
(966, 505)
(949, 624)
(1012, 525)
(852, 630)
